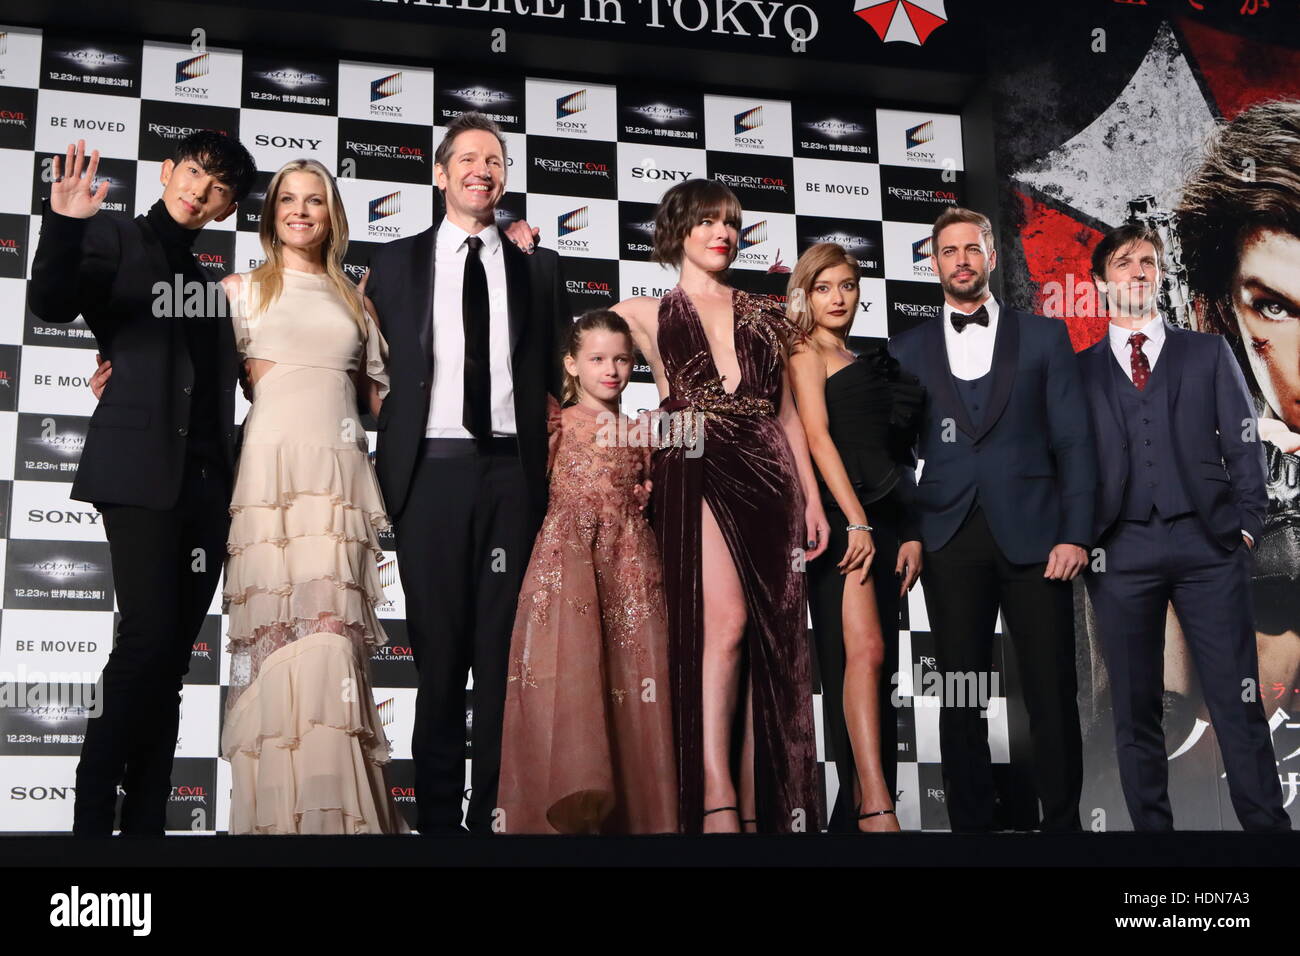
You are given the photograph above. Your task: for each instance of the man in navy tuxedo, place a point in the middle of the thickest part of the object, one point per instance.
(1180, 502)
(1005, 503)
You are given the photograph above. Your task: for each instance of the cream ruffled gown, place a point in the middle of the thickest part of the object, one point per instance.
(302, 733)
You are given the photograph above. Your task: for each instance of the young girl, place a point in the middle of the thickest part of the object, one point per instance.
(587, 745)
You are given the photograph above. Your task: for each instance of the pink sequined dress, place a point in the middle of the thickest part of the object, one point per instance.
(587, 745)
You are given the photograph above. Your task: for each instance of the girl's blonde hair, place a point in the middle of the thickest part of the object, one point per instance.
(268, 278)
(798, 291)
(605, 320)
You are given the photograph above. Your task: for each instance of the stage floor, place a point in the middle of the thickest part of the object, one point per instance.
(1108, 850)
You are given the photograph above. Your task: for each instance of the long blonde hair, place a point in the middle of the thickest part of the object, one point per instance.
(268, 278)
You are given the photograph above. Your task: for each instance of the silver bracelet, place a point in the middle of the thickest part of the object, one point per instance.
(860, 527)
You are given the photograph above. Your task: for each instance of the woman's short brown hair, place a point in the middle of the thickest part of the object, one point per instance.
(682, 207)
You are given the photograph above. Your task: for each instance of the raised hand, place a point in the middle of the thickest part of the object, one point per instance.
(70, 194)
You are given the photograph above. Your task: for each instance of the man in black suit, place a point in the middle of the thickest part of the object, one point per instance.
(1180, 503)
(475, 328)
(1005, 503)
(159, 455)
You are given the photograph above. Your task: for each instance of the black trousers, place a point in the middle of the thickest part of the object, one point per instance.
(463, 544)
(1148, 565)
(966, 582)
(166, 565)
(826, 602)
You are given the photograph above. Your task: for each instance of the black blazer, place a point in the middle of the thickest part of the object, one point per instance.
(104, 268)
(401, 287)
(1213, 423)
(1031, 460)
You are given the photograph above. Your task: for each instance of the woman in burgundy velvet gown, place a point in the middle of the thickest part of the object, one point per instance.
(737, 515)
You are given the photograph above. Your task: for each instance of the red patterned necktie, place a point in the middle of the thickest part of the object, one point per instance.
(1141, 367)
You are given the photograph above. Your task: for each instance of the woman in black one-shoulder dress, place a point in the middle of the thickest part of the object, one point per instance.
(859, 412)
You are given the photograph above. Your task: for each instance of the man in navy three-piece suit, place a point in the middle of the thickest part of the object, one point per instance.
(1005, 502)
(1180, 502)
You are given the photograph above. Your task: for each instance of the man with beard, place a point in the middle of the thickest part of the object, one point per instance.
(1006, 509)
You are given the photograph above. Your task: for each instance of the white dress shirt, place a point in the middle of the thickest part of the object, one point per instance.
(447, 402)
(970, 351)
(1119, 347)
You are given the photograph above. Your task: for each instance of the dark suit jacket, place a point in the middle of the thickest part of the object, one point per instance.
(104, 268)
(1031, 459)
(401, 286)
(1213, 423)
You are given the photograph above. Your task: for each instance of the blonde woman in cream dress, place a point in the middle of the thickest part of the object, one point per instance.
(301, 731)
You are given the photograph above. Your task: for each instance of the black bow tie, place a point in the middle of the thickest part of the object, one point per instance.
(960, 319)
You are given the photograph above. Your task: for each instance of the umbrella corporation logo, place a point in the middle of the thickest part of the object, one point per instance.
(896, 21)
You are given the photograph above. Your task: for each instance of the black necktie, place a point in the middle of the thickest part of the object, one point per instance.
(476, 315)
(960, 320)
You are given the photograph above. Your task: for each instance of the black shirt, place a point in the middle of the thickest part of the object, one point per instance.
(200, 334)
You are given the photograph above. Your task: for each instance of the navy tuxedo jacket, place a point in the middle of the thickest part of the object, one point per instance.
(1030, 460)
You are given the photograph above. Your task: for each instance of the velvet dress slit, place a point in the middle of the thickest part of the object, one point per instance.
(731, 451)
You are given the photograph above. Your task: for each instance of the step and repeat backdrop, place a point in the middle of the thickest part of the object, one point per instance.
(587, 164)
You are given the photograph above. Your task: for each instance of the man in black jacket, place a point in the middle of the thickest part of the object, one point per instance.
(159, 457)
(475, 327)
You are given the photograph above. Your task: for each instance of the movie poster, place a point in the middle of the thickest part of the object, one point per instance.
(1190, 123)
